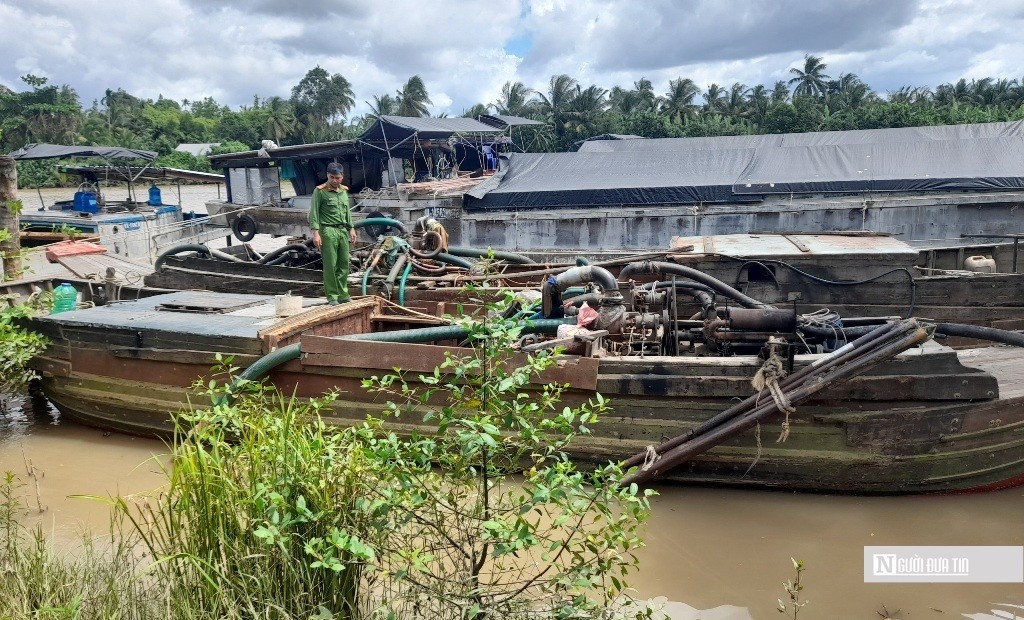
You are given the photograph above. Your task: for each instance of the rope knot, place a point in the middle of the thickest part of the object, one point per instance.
(768, 376)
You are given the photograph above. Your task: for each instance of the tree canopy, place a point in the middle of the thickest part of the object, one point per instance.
(319, 104)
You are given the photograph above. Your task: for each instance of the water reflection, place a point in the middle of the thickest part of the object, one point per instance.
(20, 414)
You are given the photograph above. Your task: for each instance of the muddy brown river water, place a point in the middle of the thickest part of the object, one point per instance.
(723, 551)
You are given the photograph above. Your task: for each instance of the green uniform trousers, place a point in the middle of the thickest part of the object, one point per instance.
(334, 250)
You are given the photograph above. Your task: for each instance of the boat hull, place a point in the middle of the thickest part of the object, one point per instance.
(921, 423)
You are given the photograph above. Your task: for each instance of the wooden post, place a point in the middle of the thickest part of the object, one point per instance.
(10, 231)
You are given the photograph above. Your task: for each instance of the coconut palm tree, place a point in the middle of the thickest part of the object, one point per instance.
(713, 98)
(555, 104)
(413, 99)
(847, 93)
(953, 94)
(585, 109)
(515, 100)
(811, 80)
(780, 93)
(281, 121)
(758, 102)
(475, 111)
(624, 101)
(644, 90)
(734, 103)
(383, 105)
(678, 101)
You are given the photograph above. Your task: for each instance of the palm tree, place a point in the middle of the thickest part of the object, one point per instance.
(810, 81)
(678, 102)
(954, 94)
(413, 99)
(780, 93)
(713, 98)
(624, 101)
(475, 111)
(383, 105)
(735, 101)
(847, 93)
(758, 103)
(644, 90)
(555, 104)
(515, 100)
(585, 109)
(281, 121)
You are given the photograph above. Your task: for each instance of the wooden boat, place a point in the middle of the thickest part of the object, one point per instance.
(854, 274)
(134, 228)
(919, 422)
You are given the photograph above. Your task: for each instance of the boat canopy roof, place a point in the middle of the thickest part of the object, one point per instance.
(58, 151)
(144, 174)
(501, 121)
(736, 169)
(396, 129)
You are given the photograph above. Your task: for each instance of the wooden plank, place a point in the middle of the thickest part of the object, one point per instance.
(581, 373)
(180, 356)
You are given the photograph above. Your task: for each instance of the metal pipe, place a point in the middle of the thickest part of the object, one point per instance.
(693, 274)
(585, 274)
(721, 433)
(845, 354)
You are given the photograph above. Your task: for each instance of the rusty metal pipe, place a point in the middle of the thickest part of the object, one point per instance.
(698, 276)
(845, 354)
(701, 444)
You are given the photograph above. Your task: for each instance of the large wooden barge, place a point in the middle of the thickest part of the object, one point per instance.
(920, 422)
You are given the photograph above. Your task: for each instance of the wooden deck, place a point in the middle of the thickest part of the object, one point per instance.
(1006, 363)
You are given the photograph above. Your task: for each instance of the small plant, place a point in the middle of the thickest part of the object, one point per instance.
(20, 345)
(66, 230)
(793, 588)
(259, 512)
(487, 517)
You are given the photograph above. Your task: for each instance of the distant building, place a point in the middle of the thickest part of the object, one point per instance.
(197, 149)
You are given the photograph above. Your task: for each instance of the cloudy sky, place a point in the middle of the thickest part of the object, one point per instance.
(464, 51)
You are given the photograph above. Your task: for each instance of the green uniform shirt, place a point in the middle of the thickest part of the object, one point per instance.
(329, 208)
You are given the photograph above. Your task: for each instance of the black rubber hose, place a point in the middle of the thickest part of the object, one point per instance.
(690, 286)
(445, 257)
(508, 257)
(178, 249)
(980, 333)
(294, 247)
(386, 222)
(699, 276)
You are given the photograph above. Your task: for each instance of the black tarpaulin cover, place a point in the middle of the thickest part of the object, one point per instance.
(1013, 129)
(538, 180)
(501, 121)
(979, 157)
(57, 151)
(394, 129)
(981, 164)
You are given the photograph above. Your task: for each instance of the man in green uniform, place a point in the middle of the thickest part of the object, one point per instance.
(331, 221)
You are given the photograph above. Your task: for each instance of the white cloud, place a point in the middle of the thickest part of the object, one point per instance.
(190, 49)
